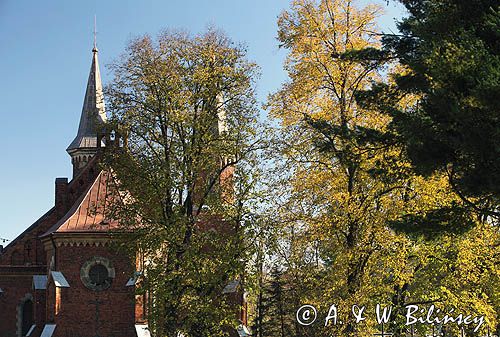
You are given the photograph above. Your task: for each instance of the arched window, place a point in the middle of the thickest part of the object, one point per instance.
(24, 317)
(16, 258)
(27, 316)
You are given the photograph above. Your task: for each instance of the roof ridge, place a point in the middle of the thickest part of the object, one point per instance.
(32, 226)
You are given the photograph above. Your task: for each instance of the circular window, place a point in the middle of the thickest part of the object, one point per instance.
(97, 274)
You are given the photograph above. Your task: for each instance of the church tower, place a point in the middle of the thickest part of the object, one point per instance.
(85, 145)
(61, 277)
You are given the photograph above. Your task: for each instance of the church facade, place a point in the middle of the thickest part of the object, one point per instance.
(60, 277)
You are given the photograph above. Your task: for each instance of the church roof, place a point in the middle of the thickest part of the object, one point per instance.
(88, 214)
(93, 112)
(36, 224)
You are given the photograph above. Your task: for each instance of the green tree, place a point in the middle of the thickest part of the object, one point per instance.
(450, 53)
(338, 208)
(346, 191)
(275, 312)
(186, 105)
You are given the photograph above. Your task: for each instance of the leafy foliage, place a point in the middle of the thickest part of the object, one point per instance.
(186, 105)
(357, 225)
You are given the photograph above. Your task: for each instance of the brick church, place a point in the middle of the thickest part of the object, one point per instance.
(60, 278)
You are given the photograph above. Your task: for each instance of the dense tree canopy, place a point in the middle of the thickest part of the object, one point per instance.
(357, 224)
(187, 109)
(450, 51)
(382, 170)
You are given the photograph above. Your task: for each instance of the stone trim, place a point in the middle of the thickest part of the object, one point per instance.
(77, 240)
(78, 243)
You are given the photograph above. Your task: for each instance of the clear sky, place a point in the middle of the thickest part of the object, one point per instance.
(45, 49)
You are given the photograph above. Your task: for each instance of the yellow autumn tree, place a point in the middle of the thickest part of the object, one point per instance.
(342, 186)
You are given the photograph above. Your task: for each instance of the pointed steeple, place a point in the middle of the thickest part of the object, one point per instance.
(85, 144)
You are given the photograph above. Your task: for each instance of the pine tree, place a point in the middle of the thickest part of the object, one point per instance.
(450, 53)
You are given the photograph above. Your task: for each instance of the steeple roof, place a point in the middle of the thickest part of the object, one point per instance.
(93, 112)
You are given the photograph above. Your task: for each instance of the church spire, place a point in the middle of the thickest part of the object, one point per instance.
(85, 144)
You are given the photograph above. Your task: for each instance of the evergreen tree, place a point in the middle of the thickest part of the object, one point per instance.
(348, 184)
(275, 306)
(449, 53)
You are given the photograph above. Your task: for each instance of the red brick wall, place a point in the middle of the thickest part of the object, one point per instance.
(77, 315)
(27, 249)
(16, 282)
(26, 257)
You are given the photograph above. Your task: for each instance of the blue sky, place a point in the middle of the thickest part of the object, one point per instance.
(45, 48)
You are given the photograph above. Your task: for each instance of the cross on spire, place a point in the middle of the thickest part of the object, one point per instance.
(95, 34)
(87, 143)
